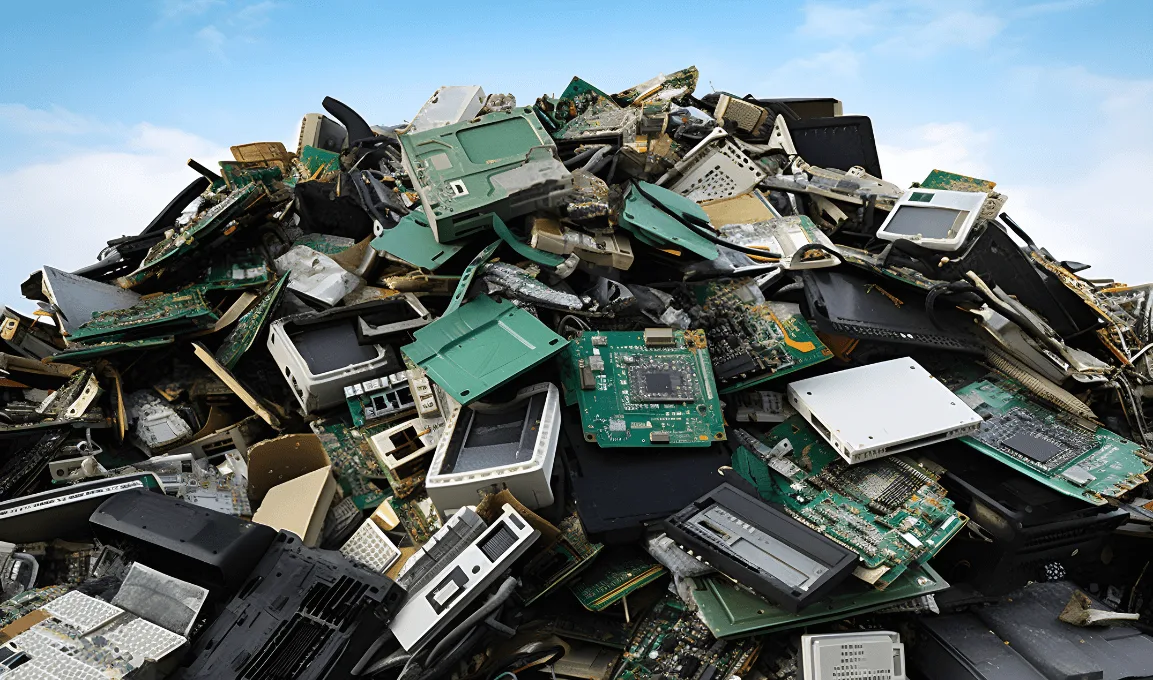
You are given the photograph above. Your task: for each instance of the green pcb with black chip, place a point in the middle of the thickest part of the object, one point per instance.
(643, 388)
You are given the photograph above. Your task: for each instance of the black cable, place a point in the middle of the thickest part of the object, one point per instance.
(1018, 230)
(705, 231)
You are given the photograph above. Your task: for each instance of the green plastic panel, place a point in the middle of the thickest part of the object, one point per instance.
(412, 240)
(480, 346)
(652, 222)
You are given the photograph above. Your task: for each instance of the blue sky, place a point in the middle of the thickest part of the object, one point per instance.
(99, 108)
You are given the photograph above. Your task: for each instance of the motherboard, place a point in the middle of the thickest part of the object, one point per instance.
(637, 389)
(890, 511)
(752, 340)
(1066, 453)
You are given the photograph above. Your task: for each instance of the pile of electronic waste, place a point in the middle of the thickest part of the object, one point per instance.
(641, 385)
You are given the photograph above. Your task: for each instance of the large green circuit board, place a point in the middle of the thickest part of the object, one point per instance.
(890, 511)
(166, 314)
(1064, 452)
(731, 611)
(671, 642)
(637, 389)
(752, 340)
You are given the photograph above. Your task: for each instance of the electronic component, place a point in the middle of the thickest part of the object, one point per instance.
(1068, 454)
(503, 163)
(792, 238)
(248, 326)
(891, 511)
(63, 512)
(646, 389)
(504, 341)
(79, 636)
(166, 314)
(303, 613)
(858, 307)
(428, 609)
(864, 654)
(417, 514)
(671, 642)
(751, 339)
(761, 547)
(714, 168)
(1020, 637)
(318, 358)
(614, 577)
(617, 495)
(907, 408)
(448, 105)
(405, 448)
(732, 611)
(440, 547)
(353, 460)
(745, 115)
(607, 250)
(321, 132)
(203, 547)
(489, 447)
(933, 218)
(370, 547)
(377, 398)
(568, 556)
(755, 406)
(1024, 524)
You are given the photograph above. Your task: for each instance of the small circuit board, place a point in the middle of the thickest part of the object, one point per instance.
(355, 464)
(245, 268)
(890, 511)
(614, 577)
(248, 326)
(388, 397)
(568, 556)
(1064, 452)
(418, 515)
(672, 642)
(641, 389)
(752, 340)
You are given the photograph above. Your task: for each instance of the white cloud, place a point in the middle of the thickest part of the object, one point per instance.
(815, 74)
(901, 27)
(955, 147)
(175, 10)
(212, 39)
(21, 119)
(61, 213)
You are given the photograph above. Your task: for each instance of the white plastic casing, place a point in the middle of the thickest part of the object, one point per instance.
(937, 199)
(529, 482)
(881, 409)
(867, 655)
(323, 390)
(470, 573)
(449, 104)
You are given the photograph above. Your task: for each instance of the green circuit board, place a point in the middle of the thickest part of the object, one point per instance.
(1066, 453)
(672, 642)
(248, 326)
(731, 611)
(245, 268)
(890, 511)
(354, 462)
(418, 515)
(752, 340)
(614, 577)
(643, 388)
(568, 556)
(166, 314)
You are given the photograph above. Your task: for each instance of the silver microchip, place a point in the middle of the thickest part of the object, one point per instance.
(616, 425)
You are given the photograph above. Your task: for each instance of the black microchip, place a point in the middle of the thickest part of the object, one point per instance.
(668, 381)
(1032, 447)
